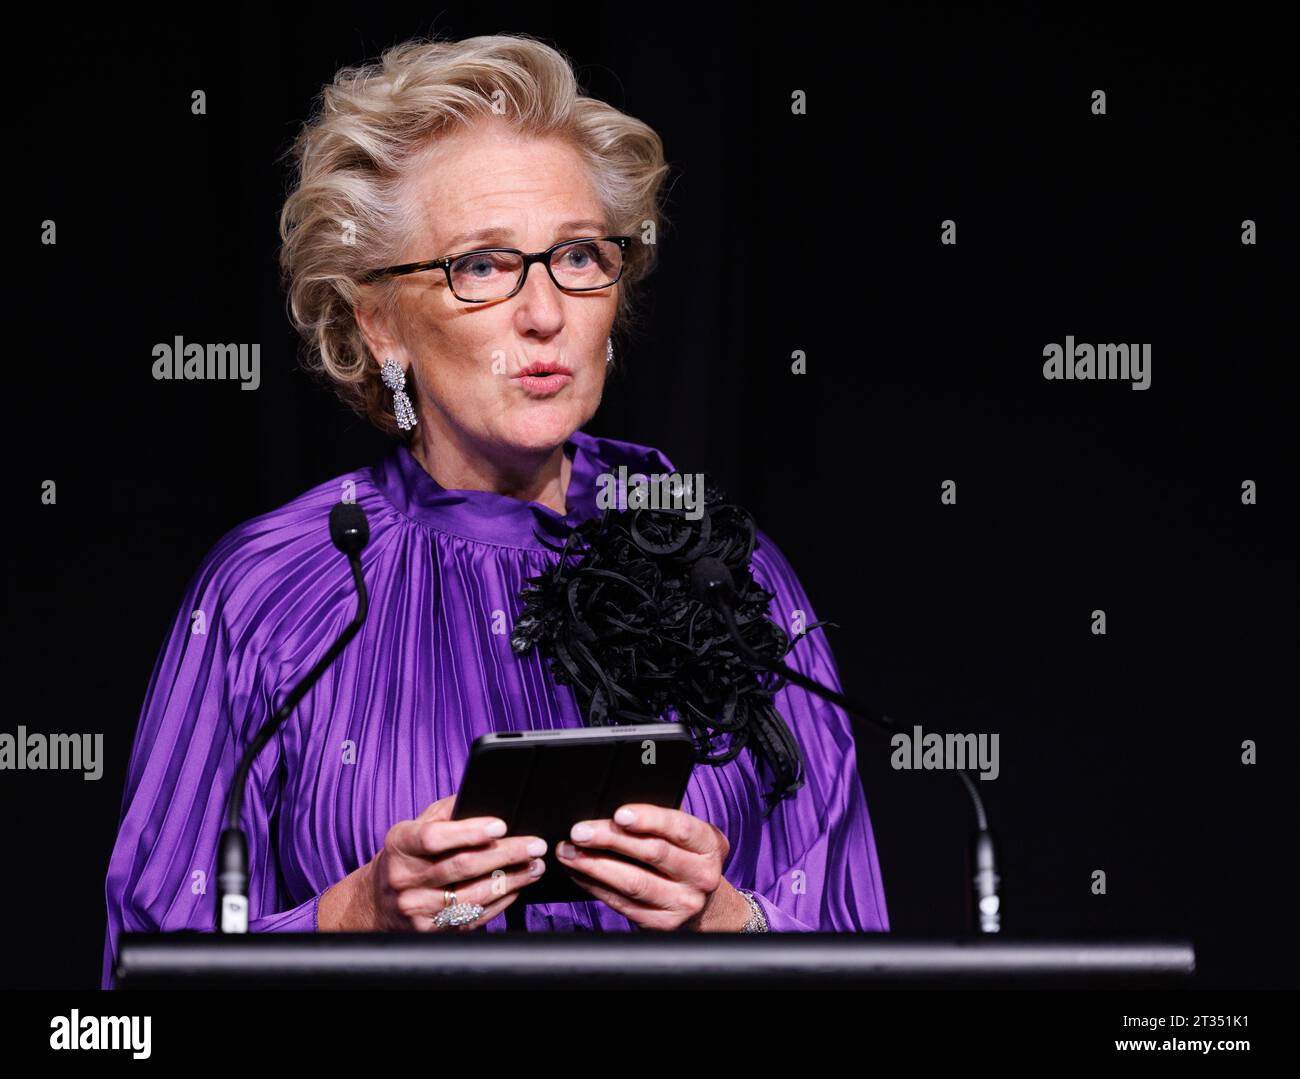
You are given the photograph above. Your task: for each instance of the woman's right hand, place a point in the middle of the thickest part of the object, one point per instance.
(403, 887)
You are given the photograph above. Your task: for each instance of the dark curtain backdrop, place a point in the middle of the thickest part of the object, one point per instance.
(817, 233)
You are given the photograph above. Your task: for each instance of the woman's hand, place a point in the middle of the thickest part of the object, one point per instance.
(679, 886)
(402, 887)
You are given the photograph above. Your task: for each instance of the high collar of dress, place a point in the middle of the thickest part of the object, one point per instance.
(485, 516)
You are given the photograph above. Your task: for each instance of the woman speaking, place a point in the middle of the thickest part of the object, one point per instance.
(460, 247)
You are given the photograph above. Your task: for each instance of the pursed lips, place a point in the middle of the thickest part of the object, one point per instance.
(543, 379)
(543, 370)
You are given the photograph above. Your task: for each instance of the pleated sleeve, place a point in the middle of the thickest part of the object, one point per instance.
(204, 704)
(817, 868)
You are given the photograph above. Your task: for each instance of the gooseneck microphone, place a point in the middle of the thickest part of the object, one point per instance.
(350, 532)
(713, 586)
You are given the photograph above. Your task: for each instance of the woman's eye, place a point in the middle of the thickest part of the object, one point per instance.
(476, 265)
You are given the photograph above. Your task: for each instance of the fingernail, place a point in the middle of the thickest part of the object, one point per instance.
(537, 847)
(625, 816)
(537, 868)
(495, 830)
(581, 832)
(566, 850)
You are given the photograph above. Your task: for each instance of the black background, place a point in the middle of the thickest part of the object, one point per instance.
(820, 233)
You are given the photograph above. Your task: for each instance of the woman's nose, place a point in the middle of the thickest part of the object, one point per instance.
(540, 298)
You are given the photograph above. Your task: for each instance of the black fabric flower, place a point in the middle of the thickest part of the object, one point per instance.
(617, 620)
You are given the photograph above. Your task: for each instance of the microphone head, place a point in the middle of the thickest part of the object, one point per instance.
(349, 528)
(712, 582)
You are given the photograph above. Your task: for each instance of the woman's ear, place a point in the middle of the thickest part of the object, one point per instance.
(377, 328)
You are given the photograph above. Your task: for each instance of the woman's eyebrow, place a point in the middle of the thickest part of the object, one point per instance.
(501, 234)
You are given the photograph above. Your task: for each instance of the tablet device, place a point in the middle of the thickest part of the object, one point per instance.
(543, 782)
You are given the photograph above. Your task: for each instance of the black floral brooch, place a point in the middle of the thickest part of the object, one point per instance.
(618, 621)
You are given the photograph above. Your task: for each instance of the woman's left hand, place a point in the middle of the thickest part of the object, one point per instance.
(680, 883)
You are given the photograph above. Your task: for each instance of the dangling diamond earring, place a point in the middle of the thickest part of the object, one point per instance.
(395, 379)
(609, 351)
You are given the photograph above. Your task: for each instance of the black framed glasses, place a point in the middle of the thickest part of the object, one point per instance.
(497, 273)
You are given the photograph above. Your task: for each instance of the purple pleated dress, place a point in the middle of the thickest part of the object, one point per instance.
(387, 730)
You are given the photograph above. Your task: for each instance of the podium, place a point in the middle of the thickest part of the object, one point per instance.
(511, 959)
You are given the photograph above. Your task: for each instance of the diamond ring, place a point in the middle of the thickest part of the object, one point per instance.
(456, 913)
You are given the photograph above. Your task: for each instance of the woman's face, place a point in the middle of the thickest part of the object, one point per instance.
(466, 358)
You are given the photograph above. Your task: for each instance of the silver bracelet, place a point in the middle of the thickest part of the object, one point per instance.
(758, 920)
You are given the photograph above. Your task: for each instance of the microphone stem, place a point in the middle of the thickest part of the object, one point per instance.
(232, 852)
(986, 907)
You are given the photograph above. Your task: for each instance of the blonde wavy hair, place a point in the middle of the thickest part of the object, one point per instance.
(347, 210)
